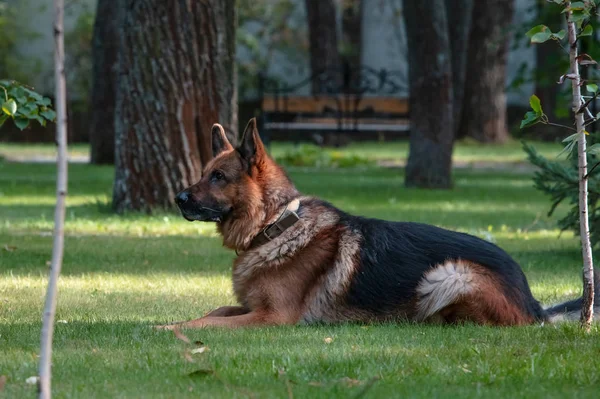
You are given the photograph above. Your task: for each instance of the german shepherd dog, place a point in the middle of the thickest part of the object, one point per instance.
(300, 259)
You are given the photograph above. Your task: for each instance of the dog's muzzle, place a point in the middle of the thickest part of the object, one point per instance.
(192, 210)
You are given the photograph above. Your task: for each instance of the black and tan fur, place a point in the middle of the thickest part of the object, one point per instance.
(334, 267)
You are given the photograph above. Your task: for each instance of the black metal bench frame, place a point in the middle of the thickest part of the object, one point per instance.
(348, 99)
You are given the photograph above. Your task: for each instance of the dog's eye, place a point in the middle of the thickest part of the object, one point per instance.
(217, 175)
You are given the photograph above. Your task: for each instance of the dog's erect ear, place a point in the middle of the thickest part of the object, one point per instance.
(251, 147)
(220, 142)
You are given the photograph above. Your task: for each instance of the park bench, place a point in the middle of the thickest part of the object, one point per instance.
(357, 103)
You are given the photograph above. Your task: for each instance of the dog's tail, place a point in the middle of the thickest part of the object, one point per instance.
(571, 310)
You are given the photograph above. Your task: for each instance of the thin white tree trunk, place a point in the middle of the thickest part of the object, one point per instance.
(59, 213)
(584, 230)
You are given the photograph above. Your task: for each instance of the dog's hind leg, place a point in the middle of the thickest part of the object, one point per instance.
(459, 291)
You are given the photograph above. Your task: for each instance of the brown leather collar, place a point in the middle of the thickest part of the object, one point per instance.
(287, 219)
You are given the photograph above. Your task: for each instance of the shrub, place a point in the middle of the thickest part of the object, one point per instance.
(313, 156)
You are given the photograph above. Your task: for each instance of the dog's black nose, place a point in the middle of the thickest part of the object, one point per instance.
(182, 198)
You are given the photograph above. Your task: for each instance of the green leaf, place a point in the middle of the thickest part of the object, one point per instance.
(592, 88)
(587, 31)
(541, 37)
(3, 118)
(577, 5)
(531, 118)
(594, 149)
(21, 123)
(536, 105)
(560, 34)
(40, 120)
(9, 107)
(578, 17)
(537, 29)
(48, 114)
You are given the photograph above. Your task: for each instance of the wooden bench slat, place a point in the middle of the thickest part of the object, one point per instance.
(399, 126)
(316, 104)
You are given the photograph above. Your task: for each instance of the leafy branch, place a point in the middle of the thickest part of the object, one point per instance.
(23, 105)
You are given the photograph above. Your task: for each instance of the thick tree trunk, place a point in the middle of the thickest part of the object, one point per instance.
(102, 107)
(484, 107)
(323, 41)
(431, 137)
(459, 14)
(351, 48)
(176, 78)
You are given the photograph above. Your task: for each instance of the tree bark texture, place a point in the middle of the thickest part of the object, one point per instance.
(176, 78)
(459, 14)
(352, 32)
(587, 311)
(323, 41)
(430, 74)
(45, 367)
(484, 107)
(102, 107)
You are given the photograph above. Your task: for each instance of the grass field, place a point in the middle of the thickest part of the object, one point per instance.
(465, 152)
(122, 274)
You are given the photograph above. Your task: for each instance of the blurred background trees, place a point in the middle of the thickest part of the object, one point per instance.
(489, 65)
(103, 93)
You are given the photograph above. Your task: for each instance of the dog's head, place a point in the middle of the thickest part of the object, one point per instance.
(237, 183)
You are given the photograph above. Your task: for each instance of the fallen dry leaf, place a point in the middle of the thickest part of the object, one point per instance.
(328, 340)
(9, 248)
(2, 382)
(315, 384)
(465, 369)
(202, 349)
(32, 380)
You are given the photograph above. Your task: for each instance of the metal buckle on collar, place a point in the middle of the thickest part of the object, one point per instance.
(279, 228)
(266, 234)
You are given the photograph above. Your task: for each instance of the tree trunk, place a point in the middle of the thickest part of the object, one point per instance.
(351, 48)
(587, 312)
(430, 75)
(45, 368)
(459, 14)
(484, 107)
(176, 78)
(323, 42)
(102, 107)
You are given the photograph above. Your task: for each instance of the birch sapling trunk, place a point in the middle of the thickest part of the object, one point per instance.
(584, 230)
(59, 213)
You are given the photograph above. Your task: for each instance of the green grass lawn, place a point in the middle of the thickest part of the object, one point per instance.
(465, 151)
(122, 274)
